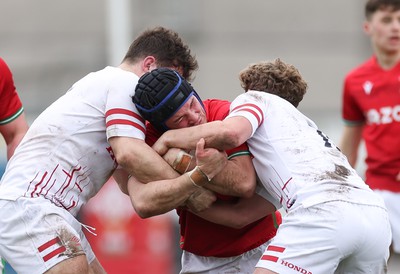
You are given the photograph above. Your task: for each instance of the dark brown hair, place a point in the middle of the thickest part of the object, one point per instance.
(168, 49)
(374, 5)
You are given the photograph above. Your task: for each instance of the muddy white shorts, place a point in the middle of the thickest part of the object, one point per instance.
(242, 264)
(332, 237)
(392, 202)
(35, 235)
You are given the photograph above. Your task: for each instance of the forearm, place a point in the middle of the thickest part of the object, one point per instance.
(350, 142)
(13, 133)
(12, 146)
(238, 178)
(211, 132)
(350, 150)
(161, 196)
(218, 134)
(239, 214)
(140, 160)
(150, 167)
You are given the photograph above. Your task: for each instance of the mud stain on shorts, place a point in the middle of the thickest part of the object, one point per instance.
(71, 243)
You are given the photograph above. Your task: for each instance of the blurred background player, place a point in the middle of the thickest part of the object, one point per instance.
(371, 108)
(13, 125)
(168, 102)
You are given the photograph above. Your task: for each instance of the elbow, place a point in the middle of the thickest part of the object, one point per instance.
(144, 214)
(122, 158)
(142, 210)
(248, 190)
(246, 186)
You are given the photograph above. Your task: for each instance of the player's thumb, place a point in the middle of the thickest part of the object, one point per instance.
(200, 145)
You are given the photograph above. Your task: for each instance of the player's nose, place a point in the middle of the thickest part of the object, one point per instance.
(193, 118)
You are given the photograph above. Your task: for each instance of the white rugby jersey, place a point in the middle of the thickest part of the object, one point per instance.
(294, 160)
(65, 155)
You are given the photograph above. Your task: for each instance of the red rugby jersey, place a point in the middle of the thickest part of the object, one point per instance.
(371, 95)
(10, 103)
(205, 238)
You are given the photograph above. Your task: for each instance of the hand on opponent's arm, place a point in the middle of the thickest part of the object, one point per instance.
(210, 161)
(200, 200)
(237, 178)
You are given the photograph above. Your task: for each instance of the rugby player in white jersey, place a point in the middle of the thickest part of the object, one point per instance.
(70, 151)
(334, 223)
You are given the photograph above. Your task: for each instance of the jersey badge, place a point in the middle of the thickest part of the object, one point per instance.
(368, 87)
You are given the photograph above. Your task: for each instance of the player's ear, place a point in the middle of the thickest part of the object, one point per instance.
(366, 27)
(149, 63)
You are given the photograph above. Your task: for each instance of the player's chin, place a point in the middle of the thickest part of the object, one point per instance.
(393, 45)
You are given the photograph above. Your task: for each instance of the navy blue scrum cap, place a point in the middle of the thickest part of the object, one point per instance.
(159, 94)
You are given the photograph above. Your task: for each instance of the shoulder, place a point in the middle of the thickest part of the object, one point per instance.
(364, 69)
(252, 97)
(114, 75)
(216, 103)
(252, 105)
(3, 64)
(113, 80)
(5, 72)
(7, 87)
(216, 109)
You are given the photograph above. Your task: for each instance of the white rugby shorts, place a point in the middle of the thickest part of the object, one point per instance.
(35, 235)
(331, 237)
(244, 263)
(392, 202)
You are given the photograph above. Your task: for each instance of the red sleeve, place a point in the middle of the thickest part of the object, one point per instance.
(10, 103)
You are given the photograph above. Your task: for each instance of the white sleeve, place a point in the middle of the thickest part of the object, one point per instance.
(250, 107)
(122, 116)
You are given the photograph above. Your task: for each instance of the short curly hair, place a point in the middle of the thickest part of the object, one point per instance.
(275, 77)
